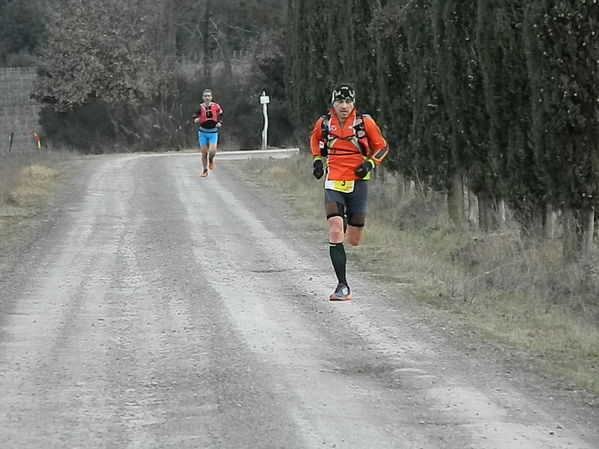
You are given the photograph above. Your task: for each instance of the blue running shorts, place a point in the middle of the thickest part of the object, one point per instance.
(206, 136)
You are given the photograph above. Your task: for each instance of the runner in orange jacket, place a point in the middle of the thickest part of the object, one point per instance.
(353, 146)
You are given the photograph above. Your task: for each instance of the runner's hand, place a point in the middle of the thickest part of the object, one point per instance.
(363, 169)
(318, 169)
(196, 120)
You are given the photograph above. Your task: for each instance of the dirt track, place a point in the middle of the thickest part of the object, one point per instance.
(155, 309)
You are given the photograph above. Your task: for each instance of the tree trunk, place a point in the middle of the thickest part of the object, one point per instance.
(572, 242)
(408, 188)
(401, 185)
(589, 230)
(550, 221)
(501, 209)
(473, 209)
(169, 45)
(380, 173)
(169, 63)
(225, 50)
(206, 60)
(455, 200)
(485, 212)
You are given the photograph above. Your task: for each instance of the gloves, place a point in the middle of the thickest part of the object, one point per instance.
(318, 169)
(363, 169)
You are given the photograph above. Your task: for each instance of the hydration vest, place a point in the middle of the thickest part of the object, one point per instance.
(209, 113)
(358, 139)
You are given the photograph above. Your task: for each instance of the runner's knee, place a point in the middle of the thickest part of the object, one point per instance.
(353, 240)
(336, 235)
(354, 232)
(336, 229)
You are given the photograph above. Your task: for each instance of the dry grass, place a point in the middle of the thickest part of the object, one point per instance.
(25, 181)
(23, 175)
(515, 293)
(33, 182)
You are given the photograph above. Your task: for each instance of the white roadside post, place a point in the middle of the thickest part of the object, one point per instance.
(264, 100)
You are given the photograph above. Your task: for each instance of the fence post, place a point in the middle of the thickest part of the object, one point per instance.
(37, 139)
(264, 100)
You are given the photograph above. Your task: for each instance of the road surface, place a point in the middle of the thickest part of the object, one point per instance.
(152, 308)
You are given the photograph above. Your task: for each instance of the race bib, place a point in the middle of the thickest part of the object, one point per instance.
(339, 186)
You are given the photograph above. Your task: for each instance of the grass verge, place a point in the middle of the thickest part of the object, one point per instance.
(26, 180)
(521, 295)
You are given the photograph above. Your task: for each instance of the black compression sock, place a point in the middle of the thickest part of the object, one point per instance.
(337, 252)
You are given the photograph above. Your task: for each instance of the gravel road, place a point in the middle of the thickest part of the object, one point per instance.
(151, 308)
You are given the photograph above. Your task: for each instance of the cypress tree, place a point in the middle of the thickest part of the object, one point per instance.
(307, 80)
(507, 99)
(563, 50)
(428, 143)
(360, 51)
(294, 51)
(461, 83)
(335, 32)
(392, 72)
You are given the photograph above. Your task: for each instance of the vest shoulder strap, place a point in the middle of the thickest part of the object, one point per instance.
(358, 125)
(359, 136)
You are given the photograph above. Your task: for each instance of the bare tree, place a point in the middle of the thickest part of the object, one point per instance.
(97, 52)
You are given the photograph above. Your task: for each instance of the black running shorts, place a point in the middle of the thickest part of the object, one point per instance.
(354, 202)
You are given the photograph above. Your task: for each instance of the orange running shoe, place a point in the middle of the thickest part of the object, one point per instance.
(211, 165)
(342, 293)
(204, 174)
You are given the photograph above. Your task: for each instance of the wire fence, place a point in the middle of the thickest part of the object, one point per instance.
(19, 114)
